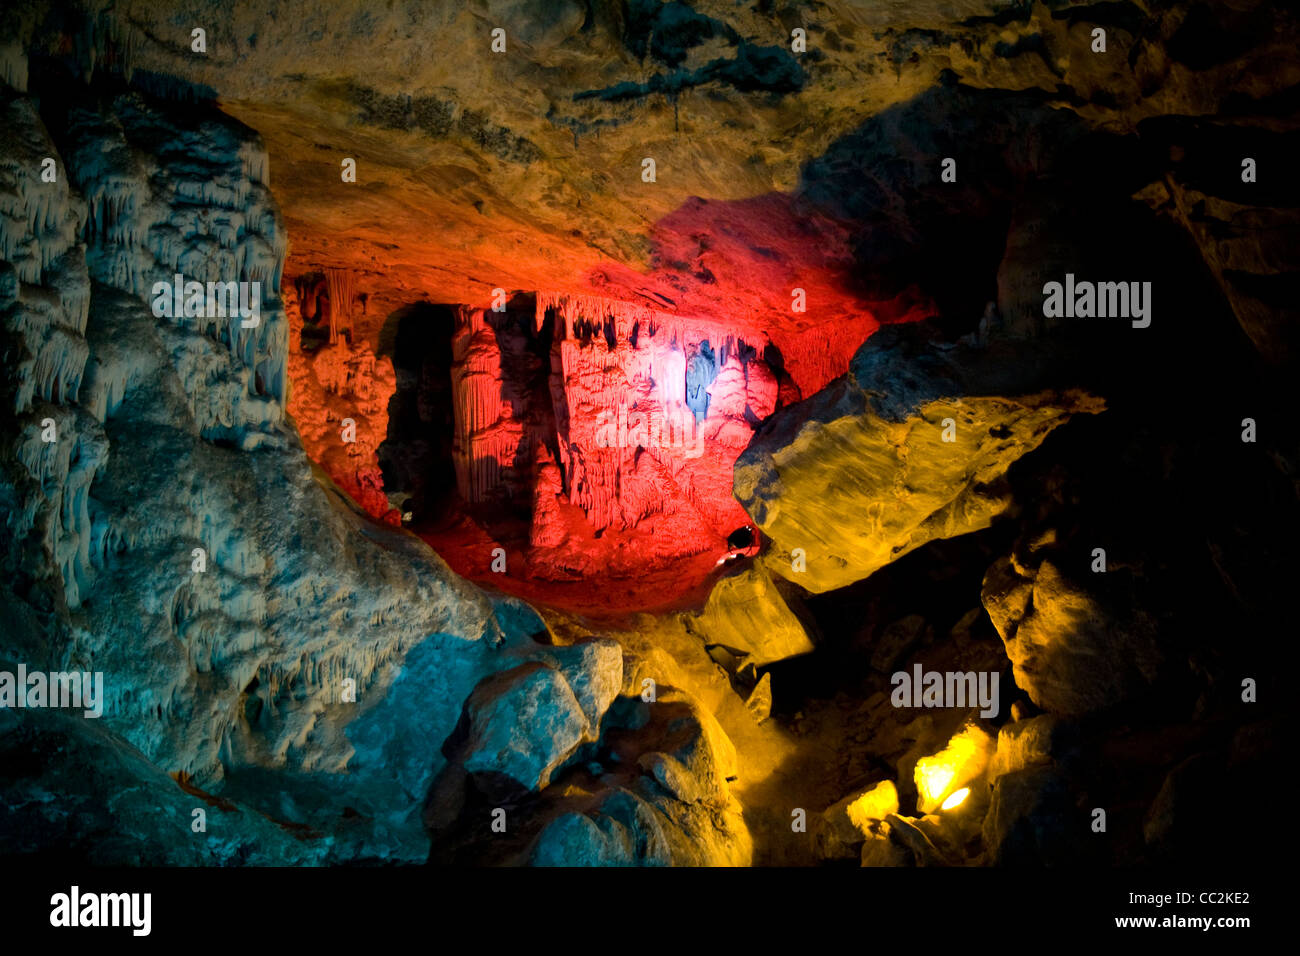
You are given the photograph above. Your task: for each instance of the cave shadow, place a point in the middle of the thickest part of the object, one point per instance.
(415, 457)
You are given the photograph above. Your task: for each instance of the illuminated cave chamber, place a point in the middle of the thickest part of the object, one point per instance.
(585, 435)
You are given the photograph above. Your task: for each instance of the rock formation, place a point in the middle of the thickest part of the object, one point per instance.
(558, 455)
(910, 446)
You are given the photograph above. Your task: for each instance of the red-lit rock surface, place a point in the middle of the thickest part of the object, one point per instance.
(335, 385)
(575, 448)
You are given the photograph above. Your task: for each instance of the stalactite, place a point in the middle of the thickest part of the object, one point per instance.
(104, 39)
(13, 65)
(211, 219)
(341, 284)
(256, 162)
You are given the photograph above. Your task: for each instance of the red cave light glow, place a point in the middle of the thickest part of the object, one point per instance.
(604, 490)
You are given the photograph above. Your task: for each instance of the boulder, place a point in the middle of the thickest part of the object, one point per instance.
(912, 445)
(666, 806)
(1074, 649)
(759, 702)
(847, 823)
(524, 724)
(575, 840)
(696, 761)
(1025, 743)
(901, 842)
(747, 611)
(1033, 820)
(593, 670)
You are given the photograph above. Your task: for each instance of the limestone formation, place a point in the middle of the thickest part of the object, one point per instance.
(911, 446)
(612, 414)
(1074, 650)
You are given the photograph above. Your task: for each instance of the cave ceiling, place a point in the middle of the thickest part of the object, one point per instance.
(523, 170)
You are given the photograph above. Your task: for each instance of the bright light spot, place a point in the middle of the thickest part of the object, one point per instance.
(962, 761)
(957, 797)
(875, 804)
(933, 779)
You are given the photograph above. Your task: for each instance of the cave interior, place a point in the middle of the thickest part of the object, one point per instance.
(653, 442)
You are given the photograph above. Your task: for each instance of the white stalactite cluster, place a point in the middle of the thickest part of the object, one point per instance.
(166, 198)
(44, 305)
(39, 221)
(268, 603)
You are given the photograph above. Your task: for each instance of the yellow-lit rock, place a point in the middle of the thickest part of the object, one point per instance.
(746, 611)
(847, 823)
(1024, 743)
(875, 803)
(861, 473)
(759, 702)
(962, 761)
(1074, 648)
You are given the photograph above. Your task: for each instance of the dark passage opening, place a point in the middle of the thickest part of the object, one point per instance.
(415, 458)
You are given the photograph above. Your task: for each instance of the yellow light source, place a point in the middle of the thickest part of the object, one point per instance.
(956, 798)
(933, 778)
(962, 761)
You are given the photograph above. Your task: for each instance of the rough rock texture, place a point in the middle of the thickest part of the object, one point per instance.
(1026, 743)
(45, 295)
(525, 722)
(1033, 819)
(1247, 232)
(1073, 650)
(336, 387)
(511, 152)
(911, 841)
(538, 698)
(237, 652)
(606, 419)
(861, 473)
(776, 170)
(847, 824)
(747, 613)
(128, 812)
(651, 790)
